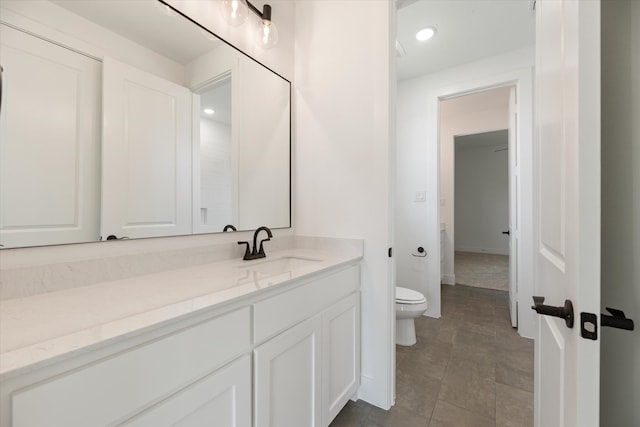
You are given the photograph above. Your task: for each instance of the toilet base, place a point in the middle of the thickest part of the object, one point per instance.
(405, 332)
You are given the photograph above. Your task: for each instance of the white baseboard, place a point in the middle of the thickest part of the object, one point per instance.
(483, 250)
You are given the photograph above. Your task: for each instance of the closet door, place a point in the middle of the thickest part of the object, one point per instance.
(146, 169)
(49, 143)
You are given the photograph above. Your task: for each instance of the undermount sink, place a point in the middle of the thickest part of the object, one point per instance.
(279, 265)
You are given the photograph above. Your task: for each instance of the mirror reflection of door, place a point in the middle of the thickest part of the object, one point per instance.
(49, 143)
(146, 154)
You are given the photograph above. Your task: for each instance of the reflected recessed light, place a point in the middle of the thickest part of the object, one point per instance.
(208, 111)
(425, 34)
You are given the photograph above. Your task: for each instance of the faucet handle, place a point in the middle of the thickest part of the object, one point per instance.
(247, 251)
(261, 253)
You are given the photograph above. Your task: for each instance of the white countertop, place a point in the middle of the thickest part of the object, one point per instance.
(45, 327)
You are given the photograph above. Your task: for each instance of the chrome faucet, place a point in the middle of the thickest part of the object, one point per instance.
(256, 253)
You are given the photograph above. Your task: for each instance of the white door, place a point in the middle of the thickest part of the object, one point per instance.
(49, 143)
(514, 233)
(146, 154)
(567, 212)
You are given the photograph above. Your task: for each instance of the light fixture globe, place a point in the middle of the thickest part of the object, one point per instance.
(235, 12)
(267, 35)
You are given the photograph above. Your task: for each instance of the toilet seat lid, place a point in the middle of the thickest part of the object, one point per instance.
(409, 296)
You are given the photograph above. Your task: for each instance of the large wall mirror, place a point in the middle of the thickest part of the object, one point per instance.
(126, 119)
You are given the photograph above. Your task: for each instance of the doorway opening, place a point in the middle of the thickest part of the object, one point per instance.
(478, 177)
(481, 212)
(214, 150)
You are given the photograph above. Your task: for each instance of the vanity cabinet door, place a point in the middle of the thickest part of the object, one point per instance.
(222, 398)
(287, 378)
(341, 355)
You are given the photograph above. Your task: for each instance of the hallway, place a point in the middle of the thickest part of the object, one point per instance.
(469, 368)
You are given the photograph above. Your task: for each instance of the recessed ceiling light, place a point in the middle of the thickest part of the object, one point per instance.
(208, 111)
(425, 34)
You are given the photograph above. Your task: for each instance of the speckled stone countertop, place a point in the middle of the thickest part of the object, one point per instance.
(45, 327)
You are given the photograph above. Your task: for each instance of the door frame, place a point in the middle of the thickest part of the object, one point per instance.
(522, 80)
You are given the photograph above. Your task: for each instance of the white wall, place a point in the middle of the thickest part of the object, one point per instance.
(418, 224)
(344, 134)
(482, 198)
(482, 112)
(620, 350)
(263, 108)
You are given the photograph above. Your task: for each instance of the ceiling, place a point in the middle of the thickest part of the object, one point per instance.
(466, 31)
(161, 29)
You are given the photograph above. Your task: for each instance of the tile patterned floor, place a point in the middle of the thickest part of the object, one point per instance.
(482, 270)
(468, 369)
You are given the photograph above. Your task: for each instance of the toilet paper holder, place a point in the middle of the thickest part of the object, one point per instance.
(421, 252)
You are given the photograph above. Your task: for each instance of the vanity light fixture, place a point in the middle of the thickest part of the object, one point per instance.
(236, 12)
(209, 111)
(425, 34)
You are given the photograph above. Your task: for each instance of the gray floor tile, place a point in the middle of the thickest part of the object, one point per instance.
(354, 414)
(448, 415)
(515, 369)
(474, 346)
(416, 394)
(513, 342)
(430, 361)
(395, 417)
(514, 407)
(479, 322)
(470, 385)
(468, 368)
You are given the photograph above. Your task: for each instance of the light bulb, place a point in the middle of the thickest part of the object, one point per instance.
(425, 34)
(267, 34)
(235, 12)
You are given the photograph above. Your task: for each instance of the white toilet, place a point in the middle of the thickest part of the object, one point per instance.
(409, 305)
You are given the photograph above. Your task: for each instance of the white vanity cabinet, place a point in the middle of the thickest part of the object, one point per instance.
(289, 356)
(306, 374)
(113, 389)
